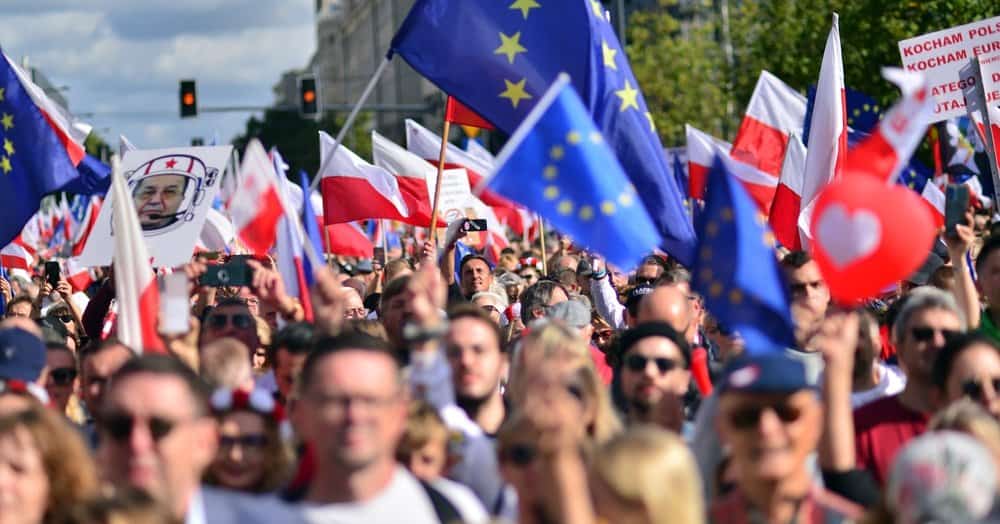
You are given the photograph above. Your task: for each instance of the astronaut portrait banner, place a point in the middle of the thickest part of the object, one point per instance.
(172, 190)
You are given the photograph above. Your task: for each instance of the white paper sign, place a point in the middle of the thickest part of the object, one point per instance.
(455, 191)
(173, 190)
(942, 54)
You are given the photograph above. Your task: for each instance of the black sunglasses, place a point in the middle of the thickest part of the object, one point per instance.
(119, 426)
(519, 454)
(926, 334)
(239, 320)
(62, 376)
(975, 389)
(638, 363)
(66, 319)
(243, 441)
(749, 417)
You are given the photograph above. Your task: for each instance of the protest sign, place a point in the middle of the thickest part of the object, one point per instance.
(942, 54)
(455, 191)
(172, 190)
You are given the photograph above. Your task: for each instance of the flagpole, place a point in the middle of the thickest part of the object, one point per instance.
(350, 120)
(385, 242)
(541, 238)
(326, 244)
(440, 175)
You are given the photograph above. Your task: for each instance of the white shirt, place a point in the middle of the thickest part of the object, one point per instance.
(403, 500)
(891, 381)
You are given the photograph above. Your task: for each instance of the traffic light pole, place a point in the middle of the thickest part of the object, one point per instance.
(336, 108)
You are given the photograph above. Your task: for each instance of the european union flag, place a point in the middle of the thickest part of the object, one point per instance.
(737, 271)
(558, 165)
(863, 112)
(33, 160)
(94, 179)
(499, 56)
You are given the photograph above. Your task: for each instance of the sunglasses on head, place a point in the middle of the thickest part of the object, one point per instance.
(239, 320)
(975, 388)
(62, 376)
(926, 334)
(119, 426)
(748, 417)
(243, 441)
(519, 454)
(638, 363)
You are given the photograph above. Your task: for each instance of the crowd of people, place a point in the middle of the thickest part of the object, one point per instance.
(548, 387)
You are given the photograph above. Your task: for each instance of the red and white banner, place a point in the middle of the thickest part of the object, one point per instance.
(15, 256)
(256, 206)
(349, 240)
(787, 205)
(702, 149)
(78, 275)
(414, 175)
(775, 112)
(827, 131)
(136, 288)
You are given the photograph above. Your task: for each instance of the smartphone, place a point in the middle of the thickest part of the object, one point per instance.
(234, 273)
(52, 273)
(378, 255)
(175, 306)
(955, 205)
(474, 224)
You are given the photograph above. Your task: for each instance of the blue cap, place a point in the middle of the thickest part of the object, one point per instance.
(22, 355)
(765, 373)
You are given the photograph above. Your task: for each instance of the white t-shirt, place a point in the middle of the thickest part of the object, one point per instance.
(404, 500)
(891, 381)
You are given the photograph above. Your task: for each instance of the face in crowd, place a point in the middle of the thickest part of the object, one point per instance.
(808, 288)
(655, 378)
(231, 320)
(475, 276)
(157, 200)
(921, 338)
(478, 365)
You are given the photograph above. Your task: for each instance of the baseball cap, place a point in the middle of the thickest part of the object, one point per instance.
(571, 312)
(22, 355)
(943, 476)
(765, 373)
(635, 295)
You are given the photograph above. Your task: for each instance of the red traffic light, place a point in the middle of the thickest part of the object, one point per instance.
(309, 96)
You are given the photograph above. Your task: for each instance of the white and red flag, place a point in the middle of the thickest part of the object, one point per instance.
(136, 288)
(289, 246)
(16, 256)
(775, 112)
(255, 207)
(702, 149)
(412, 174)
(349, 240)
(827, 130)
(78, 276)
(787, 204)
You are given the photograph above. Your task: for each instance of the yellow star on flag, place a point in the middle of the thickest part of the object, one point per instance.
(525, 6)
(510, 46)
(598, 10)
(515, 92)
(609, 55)
(5, 165)
(7, 121)
(8, 146)
(1, 94)
(629, 96)
(586, 213)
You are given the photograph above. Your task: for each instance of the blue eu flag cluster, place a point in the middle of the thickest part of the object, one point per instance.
(737, 272)
(558, 165)
(498, 57)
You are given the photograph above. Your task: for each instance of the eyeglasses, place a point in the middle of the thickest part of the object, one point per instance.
(638, 363)
(62, 376)
(926, 334)
(519, 454)
(243, 441)
(604, 333)
(748, 417)
(490, 309)
(975, 388)
(239, 320)
(119, 426)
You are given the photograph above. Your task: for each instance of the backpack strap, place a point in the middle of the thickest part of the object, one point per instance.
(445, 511)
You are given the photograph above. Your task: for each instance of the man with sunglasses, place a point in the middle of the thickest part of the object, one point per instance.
(230, 318)
(654, 375)
(157, 433)
(59, 376)
(969, 367)
(771, 419)
(928, 318)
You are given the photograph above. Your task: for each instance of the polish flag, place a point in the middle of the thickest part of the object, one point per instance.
(356, 190)
(888, 149)
(787, 204)
(702, 148)
(775, 112)
(15, 256)
(79, 276)
(827, 131)
(256, 205)
(86, 225)
(977, 118)
(349, 240)
(290, 250)
(217, 234)
(413, 174)
(136, 288)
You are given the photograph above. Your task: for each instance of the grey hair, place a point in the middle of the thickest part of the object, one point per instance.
(921, 298)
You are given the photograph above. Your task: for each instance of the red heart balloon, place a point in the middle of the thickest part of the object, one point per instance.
(868, 235)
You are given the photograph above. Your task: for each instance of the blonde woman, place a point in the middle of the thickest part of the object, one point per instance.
(646, 475)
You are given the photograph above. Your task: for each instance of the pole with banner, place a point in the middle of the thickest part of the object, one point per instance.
(975, 100)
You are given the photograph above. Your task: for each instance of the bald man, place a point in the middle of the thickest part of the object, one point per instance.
(668, 304)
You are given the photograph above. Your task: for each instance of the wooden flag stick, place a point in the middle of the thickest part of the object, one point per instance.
(385, 243)
(440, 174)
(541, 238)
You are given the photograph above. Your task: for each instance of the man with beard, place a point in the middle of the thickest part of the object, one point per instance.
(478, 365)
(654, 371)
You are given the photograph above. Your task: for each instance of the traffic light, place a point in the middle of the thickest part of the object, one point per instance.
(308, 97)
(189, 99)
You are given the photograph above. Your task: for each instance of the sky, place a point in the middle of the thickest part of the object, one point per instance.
(122, 59)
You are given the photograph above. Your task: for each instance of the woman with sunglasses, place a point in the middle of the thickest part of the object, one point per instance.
(253, 455)
(969, 367)
(45, 466)
(59, 378)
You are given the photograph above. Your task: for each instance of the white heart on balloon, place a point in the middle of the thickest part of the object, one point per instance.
(847, 237)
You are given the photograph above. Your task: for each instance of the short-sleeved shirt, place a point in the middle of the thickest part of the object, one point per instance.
(881, 429)
(819, 506)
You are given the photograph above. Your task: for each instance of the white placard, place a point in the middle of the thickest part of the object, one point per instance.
(173, 190)
(942, 54)
(455, 191)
